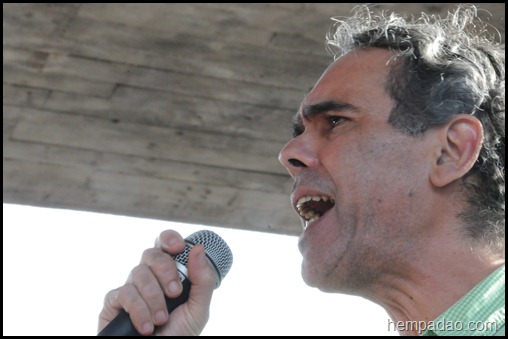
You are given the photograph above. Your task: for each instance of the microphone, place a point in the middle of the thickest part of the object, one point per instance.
(217, 252)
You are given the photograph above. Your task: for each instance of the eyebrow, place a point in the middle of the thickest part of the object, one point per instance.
(311, 111)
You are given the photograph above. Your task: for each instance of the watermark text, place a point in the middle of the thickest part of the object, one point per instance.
(442, 325)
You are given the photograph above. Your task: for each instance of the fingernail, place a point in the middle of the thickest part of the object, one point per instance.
(174, 287)
(173, 243)
(147, 328)
(201, 254)
(160, 316)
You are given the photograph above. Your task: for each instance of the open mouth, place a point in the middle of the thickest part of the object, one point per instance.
(312, 208)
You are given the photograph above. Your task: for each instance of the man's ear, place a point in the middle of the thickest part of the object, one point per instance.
(459, 145)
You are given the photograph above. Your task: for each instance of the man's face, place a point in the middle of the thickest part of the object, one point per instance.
(366, 181)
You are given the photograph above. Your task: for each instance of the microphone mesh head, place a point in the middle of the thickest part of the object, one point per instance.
(216, 249)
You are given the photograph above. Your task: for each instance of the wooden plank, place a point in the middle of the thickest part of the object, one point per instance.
(205, 148)
(144, 166)
(156, 48)
(254, 24)
(195, 55)
(172, 81)
(156, 108)
(15, 95)
(190, 19)
(11, 117)
(43, 19)
(30, 61)
(81, 188)
(30, 73)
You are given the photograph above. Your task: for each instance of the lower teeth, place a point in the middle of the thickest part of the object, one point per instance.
(308, 222)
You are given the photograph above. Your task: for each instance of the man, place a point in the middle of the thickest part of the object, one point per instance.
(398, 163)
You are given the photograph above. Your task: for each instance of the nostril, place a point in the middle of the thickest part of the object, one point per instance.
(296, 163)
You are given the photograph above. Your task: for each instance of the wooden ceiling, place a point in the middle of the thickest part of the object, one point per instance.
(166, 111)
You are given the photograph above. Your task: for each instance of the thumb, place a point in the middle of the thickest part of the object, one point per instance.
(191, 317)
(202, 276)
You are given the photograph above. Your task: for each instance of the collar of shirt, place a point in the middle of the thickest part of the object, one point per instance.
(480, 312)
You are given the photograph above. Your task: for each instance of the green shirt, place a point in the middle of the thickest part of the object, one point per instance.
(480, 312)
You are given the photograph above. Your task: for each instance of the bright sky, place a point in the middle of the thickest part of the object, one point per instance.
(59, 264)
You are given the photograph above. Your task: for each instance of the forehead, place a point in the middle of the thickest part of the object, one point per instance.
(358, 78)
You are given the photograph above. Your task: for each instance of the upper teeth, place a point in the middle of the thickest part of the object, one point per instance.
(309, 214)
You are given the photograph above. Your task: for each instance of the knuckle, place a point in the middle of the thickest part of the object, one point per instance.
(125, 293)
(149, 254)
(111, 298)
(137, 271)
(131, 300)
(151, 291)
(154, 257)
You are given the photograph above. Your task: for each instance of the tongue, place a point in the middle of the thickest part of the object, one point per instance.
(319, 206)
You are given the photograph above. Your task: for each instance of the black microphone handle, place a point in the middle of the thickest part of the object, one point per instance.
(122, 324)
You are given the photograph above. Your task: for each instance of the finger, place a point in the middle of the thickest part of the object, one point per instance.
(110, 309)
(127, 298)
(149, 289)
(170, 241)
(164, 268)
(203, 278)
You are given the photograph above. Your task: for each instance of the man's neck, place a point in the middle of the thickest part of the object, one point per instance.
(444, 274)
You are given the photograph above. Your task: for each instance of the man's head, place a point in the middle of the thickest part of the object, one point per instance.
(447, 67)
(402, 133)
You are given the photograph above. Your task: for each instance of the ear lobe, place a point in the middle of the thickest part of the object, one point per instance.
(459, 146)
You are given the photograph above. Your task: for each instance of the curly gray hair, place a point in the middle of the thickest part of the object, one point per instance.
(446, 66)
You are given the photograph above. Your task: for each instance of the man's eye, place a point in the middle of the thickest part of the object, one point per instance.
(335, 120)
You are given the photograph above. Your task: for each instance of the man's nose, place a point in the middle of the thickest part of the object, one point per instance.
(298, 153)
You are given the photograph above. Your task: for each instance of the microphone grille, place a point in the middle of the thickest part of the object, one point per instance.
(216, 249)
